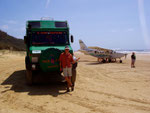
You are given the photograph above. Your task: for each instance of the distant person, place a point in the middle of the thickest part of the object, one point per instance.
(66, 61)
(126, 56)
(133, 58)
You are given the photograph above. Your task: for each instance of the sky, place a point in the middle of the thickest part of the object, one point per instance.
(113, 24)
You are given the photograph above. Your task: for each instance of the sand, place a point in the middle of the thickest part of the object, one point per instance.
(100, 88)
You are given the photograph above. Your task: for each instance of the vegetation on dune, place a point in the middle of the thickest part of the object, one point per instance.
(11, 43)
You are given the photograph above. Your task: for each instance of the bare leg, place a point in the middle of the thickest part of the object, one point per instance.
(132, 64)
(68, 81)
(72, 86)
(68, 85)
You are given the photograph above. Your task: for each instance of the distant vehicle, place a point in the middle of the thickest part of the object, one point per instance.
(103, 55)
(45, 40)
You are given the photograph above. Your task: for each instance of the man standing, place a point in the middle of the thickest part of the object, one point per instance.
(66, 61)
(133, 58)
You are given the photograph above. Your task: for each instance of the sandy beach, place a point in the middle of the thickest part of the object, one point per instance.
(100, 88)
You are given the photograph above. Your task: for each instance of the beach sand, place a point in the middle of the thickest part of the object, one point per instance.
(100, 88)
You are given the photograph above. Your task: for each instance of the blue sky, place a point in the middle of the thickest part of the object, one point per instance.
(114, 24)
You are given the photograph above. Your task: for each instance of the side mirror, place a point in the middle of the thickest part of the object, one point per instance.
(29, 26)
(25, 39)
(72, 39)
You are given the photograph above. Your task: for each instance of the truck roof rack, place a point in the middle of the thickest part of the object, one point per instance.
(47, 18)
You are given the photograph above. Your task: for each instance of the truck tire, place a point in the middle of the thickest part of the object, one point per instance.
(29, 77)
(110, 60)
(104, 61)
(74, 73)
(120, 61)
(27, 63)
(73, 78)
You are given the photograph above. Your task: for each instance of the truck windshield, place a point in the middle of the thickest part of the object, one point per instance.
(49, 38)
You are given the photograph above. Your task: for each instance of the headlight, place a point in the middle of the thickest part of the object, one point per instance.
(34, 59)
(33, 66)
(36, 51)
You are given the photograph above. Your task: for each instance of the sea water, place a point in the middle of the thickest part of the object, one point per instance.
(144, 51)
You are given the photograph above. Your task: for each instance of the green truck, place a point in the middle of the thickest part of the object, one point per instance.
(45, 40)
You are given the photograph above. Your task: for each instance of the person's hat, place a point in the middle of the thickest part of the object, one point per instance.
(67, 47)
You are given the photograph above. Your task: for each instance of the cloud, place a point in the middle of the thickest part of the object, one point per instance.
(114, 31)
(4, 27)
(12, 22)
(130, 29)
(21, 29)
(47, 3)
(143, 23)
(122, 30)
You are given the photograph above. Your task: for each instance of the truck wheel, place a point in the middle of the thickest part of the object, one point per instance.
(104, 61)
(120, 61)
(73, 78)
(27, 63)
(29, 77)
(110, 60)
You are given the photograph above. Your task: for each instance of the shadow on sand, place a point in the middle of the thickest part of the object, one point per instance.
(17, 80)
(94, 63)
(84, 61)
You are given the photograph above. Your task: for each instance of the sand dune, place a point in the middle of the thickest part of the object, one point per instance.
(100, 88)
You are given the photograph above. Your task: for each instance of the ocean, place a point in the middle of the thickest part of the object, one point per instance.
(144, 51)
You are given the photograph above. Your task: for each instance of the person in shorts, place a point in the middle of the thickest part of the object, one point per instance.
(133, 58)
(66, 61)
